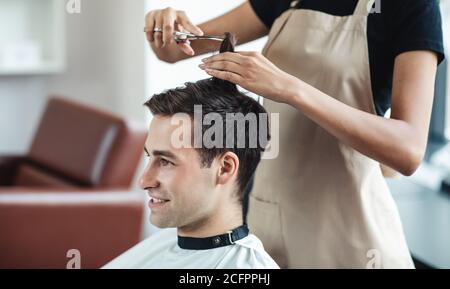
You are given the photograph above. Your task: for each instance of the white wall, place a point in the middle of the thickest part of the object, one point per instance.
(105, 67)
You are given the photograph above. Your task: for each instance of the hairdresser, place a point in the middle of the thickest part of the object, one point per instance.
(331, 70)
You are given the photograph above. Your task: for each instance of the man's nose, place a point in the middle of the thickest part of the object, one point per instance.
(149, 178)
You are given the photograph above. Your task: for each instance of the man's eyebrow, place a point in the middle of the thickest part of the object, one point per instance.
(167, 154)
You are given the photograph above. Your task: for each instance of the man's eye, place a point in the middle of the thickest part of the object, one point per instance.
(164, 162)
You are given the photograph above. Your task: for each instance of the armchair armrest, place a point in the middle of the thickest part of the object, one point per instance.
(8, 167)
(39, 228)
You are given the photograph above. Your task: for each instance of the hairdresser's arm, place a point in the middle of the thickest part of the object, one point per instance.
(242, 21)
(398, 142)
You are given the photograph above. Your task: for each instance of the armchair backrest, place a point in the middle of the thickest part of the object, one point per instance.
(77, 145)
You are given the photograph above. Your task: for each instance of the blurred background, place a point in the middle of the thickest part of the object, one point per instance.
(66, 65)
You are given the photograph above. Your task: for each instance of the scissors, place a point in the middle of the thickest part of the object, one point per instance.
(183, 37)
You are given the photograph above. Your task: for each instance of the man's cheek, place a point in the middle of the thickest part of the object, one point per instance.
(169, 181)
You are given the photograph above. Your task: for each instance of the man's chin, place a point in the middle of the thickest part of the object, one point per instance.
(161, 224)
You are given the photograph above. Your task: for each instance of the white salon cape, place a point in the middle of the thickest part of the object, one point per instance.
(161, 251)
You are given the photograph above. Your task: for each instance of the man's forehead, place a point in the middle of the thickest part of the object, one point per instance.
(166, 132)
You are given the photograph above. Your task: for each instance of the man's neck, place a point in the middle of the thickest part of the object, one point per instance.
(222, 221)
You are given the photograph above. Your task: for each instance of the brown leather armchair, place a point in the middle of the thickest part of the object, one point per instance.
(77, 146)
(38, 229)
(69, 191)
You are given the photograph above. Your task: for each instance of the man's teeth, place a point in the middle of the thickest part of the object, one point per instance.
(155, 200)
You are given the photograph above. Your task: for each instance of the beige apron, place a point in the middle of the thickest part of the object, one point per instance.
(320, 203)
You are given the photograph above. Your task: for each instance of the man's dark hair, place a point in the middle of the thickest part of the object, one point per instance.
(222, 97)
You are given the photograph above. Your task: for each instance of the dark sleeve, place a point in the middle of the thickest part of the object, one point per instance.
(269, 10)
(417, 25)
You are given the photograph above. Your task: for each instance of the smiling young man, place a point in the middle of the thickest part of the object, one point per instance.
(199, 189)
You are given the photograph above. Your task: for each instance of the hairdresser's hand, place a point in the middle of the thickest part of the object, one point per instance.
(254, 72)
(169, 20)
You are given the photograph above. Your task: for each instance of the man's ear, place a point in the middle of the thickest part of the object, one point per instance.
(228, 168)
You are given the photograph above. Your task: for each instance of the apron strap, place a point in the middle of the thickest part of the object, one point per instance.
(364, 7)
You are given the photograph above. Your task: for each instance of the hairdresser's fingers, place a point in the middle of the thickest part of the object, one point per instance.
(249, 53)
(226, 75)
(186, 48)
(225, 66)
(253, 58)
(179, 27)
(257, 59)
(226, 56)
(159, 21)
(184, 20)
(169, 17)
(150, 25)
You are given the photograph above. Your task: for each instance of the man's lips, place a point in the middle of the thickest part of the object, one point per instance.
(157, 200)
(155, 203)
(156, 196)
